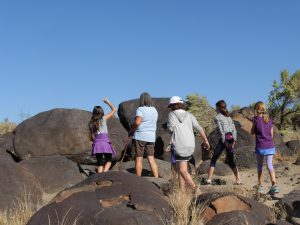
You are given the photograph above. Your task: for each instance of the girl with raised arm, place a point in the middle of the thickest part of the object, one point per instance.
(102, 147)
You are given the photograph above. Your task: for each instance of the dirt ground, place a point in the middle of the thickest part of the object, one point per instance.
(288, 179)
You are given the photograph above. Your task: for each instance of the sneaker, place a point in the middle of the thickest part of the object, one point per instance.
(208, 182)
(274, 190)
(260, 189)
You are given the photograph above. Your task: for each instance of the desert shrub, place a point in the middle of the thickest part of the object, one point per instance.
(6, 126)
(235, 108)
(204, 113)
(284, 99)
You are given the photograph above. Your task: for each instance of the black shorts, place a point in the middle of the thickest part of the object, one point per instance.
(183, 158)
(103, 158)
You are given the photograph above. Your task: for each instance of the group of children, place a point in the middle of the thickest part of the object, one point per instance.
(183, 127)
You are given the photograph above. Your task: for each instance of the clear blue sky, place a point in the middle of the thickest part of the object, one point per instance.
(72, 53)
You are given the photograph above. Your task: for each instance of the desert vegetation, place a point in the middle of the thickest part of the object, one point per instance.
(19, 213)
(201, 109)
(7, 126)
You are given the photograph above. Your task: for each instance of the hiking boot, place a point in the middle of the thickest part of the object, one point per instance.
(274, 190)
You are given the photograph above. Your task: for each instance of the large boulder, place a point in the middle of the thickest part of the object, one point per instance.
(6, 146)
(245, 157)
(126, 113)
(55, 173)
(62, 132)
(6, 143)
(17, 183)
(231, 209)
(114, 198)
(288, 207)
(221, 169)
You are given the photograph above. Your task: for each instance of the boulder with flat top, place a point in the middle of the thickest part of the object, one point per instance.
(62, 132)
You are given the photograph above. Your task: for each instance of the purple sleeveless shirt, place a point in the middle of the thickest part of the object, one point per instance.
(263, 134)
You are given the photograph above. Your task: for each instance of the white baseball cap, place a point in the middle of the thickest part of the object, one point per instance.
(175, 100)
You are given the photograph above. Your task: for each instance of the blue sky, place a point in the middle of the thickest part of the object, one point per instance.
(73, 53)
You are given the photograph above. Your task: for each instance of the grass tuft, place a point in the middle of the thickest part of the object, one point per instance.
(20, 212)
(186, 211)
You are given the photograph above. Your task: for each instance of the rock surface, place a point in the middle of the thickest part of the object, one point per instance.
(164, 168)
(62, 132)
(228, 208)
(111, 198)
(221, 169)
(294, 146)
(16, 183)
(288, 207)
(55, 173)
(245, 157)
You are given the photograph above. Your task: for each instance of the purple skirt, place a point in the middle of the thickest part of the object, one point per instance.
(102, 144)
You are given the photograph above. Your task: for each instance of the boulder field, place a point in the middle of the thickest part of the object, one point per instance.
(50, 154)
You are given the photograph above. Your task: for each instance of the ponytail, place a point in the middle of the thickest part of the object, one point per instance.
(96, 121)
(260, 109)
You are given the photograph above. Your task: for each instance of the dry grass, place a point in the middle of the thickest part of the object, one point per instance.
(20, 212)
(186, 210)
(65, 220)
(6, 126)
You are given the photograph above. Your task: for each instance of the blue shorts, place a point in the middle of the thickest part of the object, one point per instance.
(268, 151)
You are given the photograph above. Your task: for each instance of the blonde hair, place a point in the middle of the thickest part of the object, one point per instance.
(260, 109)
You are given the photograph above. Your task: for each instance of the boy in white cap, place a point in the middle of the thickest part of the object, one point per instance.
(183, 126)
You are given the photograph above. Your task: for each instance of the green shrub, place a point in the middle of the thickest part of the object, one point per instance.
(204, 113)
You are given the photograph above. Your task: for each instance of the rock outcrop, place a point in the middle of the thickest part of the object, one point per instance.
(54, 173)
(114, 198)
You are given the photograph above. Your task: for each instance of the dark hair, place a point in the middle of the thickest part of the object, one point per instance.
(145, 100)
(176, 106)
(95, 121)
(222, 107)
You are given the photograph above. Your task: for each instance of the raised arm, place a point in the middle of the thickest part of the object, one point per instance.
(112, 107)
